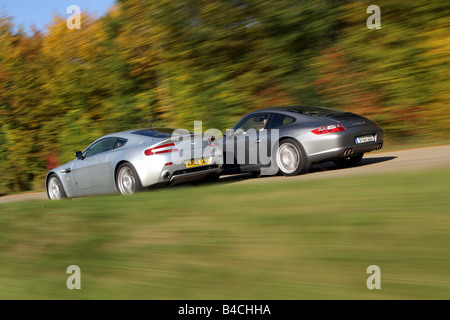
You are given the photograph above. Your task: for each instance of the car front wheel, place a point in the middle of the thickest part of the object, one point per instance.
(55, 189)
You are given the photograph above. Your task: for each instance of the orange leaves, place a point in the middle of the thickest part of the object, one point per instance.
(344, 84)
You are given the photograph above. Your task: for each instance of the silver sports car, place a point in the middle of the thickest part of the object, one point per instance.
(288, 140)
(128, 162)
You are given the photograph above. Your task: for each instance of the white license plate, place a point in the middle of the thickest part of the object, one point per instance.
(364, 139)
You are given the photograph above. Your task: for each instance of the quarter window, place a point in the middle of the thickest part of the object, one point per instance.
(279, 120)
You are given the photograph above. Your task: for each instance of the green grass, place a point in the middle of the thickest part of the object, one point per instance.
(292, 239)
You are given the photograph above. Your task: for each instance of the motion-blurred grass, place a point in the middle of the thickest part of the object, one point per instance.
(283, 240)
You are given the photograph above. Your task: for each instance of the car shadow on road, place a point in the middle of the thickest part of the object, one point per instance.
(326, 166)
(331, 166)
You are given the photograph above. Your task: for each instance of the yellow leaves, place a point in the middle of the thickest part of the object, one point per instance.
(115, 11)
(436, 60)
(436, 44)
(64, 45)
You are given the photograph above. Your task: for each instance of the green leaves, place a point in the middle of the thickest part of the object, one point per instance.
(214, 61)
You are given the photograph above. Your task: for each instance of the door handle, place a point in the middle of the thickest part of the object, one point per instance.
(256, 141)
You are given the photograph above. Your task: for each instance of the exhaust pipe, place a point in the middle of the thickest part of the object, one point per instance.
(348, 152)
(165, 175)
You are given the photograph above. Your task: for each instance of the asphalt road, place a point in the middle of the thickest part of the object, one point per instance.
(376, 162)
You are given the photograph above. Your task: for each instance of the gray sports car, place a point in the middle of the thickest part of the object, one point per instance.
(288, 140)
(130, 161)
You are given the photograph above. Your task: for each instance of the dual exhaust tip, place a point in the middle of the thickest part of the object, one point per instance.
(348, 152)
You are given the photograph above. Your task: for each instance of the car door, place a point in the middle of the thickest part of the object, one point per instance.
(242, 145)
(276, 123)
(270, 139)
(90, 173)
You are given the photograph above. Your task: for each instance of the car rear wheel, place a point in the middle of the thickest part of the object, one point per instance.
(290, 158)
(212, 177)
(55, 189)
(255, 174)
(127, 180)
(349, 161)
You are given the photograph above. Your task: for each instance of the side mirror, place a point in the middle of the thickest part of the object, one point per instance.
(79, 155)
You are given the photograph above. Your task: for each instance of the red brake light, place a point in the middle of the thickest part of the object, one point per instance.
(329, 129)
(156, 150)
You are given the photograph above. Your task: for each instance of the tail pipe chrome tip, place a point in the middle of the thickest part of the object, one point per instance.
(165, 175)
(348, 152)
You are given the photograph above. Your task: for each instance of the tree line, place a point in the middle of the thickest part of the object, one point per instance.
(215, 60)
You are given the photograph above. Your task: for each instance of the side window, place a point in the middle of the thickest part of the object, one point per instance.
(256, 122)
(280, 120)
(120, 142)
(101, 146)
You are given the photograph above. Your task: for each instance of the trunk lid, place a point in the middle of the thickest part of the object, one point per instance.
(349, 119)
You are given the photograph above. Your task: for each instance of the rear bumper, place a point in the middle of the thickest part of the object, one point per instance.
(342, 144)
(160, 170)
(192, 174)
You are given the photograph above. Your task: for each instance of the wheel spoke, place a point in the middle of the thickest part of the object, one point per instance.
(126, 181)
(288, 158)
(54, 188)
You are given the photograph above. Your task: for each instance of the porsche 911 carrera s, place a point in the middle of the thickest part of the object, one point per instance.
(294, 137)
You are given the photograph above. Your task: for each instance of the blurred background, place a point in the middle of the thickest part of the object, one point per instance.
(214, 61)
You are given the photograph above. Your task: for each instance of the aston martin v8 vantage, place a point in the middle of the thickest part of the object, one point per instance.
(131, 161)
(292, 138)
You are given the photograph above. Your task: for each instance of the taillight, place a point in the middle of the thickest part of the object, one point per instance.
(329, 129)
(157, 150)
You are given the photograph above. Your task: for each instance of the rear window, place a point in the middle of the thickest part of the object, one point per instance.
(314, 111)
(155, 132)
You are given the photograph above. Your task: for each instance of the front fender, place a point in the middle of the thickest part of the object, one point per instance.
(65, 178)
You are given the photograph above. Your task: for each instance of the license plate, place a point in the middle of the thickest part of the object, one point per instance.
(196, 162)
(364, 139)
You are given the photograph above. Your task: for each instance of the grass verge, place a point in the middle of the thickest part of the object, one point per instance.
(282, 240)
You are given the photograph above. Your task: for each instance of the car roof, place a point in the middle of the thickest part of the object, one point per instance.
(298, 109)
(140, 132)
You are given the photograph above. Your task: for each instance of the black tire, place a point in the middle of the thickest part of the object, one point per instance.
(127, 180)
(290, 158)
(212, 177)
(349, 161)
(55, 189)
(255, 174)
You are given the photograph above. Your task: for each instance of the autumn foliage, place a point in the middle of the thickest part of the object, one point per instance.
(215, 60)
